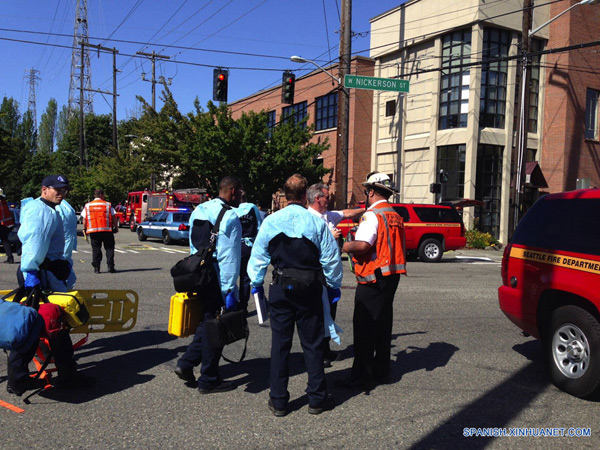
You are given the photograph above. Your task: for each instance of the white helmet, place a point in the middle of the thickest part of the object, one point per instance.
(380, 180)
(1, 193)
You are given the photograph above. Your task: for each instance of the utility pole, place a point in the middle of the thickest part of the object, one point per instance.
(519, 152)
(113, 93)
(153, 57)
(341, 166)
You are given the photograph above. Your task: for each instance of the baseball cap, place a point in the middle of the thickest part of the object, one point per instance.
(380, 180)
(56, 181)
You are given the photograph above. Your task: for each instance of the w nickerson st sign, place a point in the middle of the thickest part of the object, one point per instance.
(375, 84)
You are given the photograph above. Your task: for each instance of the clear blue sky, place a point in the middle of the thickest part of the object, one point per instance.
(275, 28)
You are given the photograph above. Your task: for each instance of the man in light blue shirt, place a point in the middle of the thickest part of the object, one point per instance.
(227, 264)
(250, 220)
(305, 257)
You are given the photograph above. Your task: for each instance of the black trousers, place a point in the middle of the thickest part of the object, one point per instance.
(62, 351)
(372, 321)
(108, 239)
(4, 232)
(200, 351)
(306, 312)
(245, 289)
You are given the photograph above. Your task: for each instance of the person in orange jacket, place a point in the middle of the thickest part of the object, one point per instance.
(7, 221)
(100, 224)
(379, 259)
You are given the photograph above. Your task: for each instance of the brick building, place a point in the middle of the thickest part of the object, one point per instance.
(570, 141)
(316, 96)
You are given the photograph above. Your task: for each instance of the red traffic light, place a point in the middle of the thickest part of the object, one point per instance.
(221, 76)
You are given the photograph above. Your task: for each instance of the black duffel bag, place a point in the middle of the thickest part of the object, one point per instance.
(197, 273)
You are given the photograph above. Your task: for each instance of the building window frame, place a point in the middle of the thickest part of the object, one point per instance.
(455, 80)
(295, 113)
(488, 188)
(271, 122)
(326, 109)
(592, 99)
(494, 76)
(390, 108)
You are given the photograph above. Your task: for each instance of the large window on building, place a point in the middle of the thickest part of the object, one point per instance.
(492, 106)
(451, 159)
(488, 187)
(591, 114)
(326, 111)
(534, 85)
(454, 86)
(294, 113)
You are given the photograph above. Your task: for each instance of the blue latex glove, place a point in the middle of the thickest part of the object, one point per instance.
(230, 301)
(31, 279)
(258, 290)
(333, 294)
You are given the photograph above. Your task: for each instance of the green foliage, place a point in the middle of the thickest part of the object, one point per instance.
(47, 128)
(479, 239)
(180, 151)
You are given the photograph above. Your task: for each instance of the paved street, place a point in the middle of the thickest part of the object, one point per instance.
(457, 362)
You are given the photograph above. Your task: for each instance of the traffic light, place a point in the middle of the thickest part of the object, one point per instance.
(220, 77)
(442, 176)
(287, 88)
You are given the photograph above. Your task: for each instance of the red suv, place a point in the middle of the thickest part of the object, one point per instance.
(430, 229)
(551, 286)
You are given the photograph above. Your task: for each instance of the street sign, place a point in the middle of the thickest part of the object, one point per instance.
(375, 84)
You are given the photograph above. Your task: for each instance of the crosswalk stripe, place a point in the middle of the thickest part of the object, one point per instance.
(173, 250)
(120, 251)
(132, 251)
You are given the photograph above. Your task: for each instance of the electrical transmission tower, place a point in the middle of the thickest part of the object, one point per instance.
(80, 96)
(32, 77)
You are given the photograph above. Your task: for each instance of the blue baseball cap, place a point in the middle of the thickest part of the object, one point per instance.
(56, 181)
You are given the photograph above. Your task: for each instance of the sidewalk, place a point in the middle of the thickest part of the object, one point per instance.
(491, 253)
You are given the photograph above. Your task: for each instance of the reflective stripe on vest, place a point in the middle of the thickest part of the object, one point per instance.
(6, 217)
(98, 216)
(387, 256)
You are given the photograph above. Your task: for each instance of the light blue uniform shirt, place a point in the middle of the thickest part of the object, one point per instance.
(229, 242)
(244, 209)
(69, 219)
(42, 235)
(295, 221)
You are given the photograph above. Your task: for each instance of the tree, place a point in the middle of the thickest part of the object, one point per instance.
(27, 133)
(47, 130)
(62, 124)
(14, 150)
(217, 146)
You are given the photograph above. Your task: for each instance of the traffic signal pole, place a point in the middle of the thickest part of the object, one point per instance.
(341, 166)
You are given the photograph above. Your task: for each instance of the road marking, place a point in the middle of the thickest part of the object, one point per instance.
(12, 407)
(133, 251)
(120, 251)
(173, 250)
(82, 251)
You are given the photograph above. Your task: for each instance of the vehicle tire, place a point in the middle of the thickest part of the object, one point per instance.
(140, 233)
(167, 240)
(430, 250)
(132, 226)
(571, 347)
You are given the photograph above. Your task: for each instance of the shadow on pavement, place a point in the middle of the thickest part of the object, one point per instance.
(494, 409)
(120, 372)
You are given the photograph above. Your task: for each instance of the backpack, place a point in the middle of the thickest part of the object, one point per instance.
(197, 273)
(21, 326)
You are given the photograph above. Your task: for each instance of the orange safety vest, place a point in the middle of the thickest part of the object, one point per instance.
(6, 217)
(388, 253)
(98, 217)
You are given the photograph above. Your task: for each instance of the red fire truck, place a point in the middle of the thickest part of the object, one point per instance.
(142, 204)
